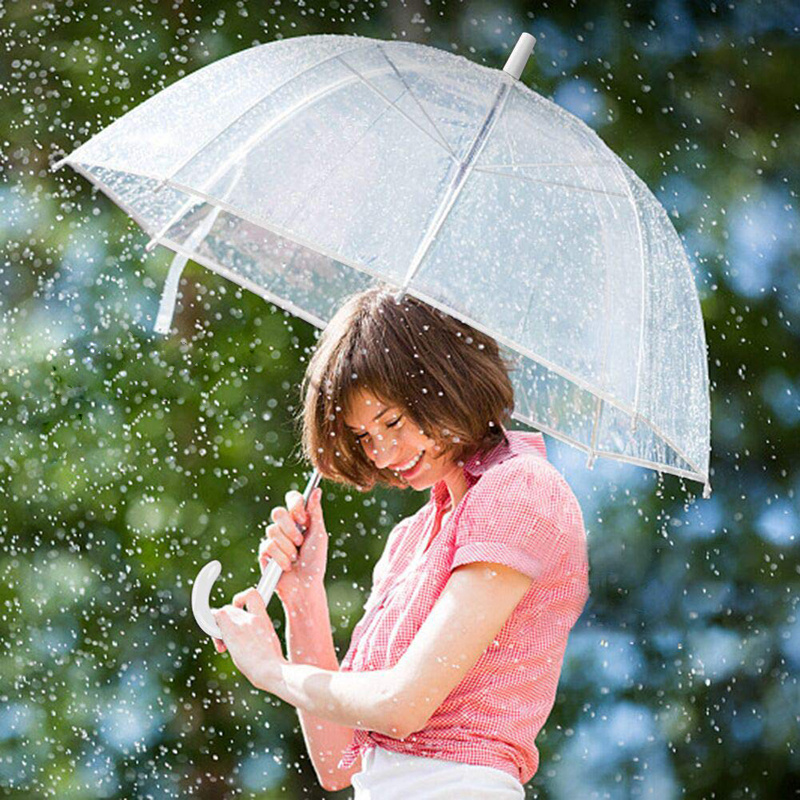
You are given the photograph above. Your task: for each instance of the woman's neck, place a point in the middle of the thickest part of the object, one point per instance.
(457, 485)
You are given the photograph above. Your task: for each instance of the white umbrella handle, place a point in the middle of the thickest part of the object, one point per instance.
(204, 582)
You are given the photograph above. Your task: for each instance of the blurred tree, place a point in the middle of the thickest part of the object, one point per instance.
(128, 460)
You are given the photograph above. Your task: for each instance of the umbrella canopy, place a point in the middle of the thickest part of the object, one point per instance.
(308, 169)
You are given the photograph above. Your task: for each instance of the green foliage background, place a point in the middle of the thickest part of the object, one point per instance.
(128, 460)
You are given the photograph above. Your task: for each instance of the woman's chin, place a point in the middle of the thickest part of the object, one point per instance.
(421, 479)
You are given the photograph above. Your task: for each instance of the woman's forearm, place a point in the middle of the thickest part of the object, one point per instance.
(311, 681)
(353, 699)
(309, 641)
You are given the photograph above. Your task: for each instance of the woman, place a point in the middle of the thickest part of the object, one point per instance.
(453, 668)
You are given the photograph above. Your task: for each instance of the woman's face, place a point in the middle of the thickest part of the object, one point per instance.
(390, 439)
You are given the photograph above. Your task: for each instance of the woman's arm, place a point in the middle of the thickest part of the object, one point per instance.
(309, 641)
(472, 609)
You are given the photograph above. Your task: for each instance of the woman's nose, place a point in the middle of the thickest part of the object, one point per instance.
(383, 451)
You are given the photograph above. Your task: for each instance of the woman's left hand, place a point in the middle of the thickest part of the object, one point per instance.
(251, 639)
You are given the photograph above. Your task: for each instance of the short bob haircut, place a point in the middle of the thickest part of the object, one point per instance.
(449, 379)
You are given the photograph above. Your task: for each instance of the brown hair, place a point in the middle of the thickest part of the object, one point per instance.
(448, 378)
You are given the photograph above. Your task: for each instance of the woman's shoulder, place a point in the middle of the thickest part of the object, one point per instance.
(531, 483)
(526, 471)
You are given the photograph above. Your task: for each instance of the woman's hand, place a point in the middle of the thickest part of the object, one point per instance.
(302, 557)
(284, 542)
(250, 638)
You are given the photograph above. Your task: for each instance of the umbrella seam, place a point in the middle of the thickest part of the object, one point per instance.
(606, 322)
(396, 108)
(416, 100)
(586, 133)
(550, 183)
(257, 103)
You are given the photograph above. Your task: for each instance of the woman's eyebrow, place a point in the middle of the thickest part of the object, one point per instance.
(376, 417)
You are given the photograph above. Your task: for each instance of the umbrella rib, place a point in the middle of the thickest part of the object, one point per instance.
(509, 142)
(457, 184)
(644, 304)
(273, 123)
(551, 183)
(605, 335)
(205, 198)
(586, 133)
(416, 100)
(166, 308)
(399, 110)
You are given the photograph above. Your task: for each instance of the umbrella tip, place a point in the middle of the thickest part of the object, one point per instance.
(520, 55)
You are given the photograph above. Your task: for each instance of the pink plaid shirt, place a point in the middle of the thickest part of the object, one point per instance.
(518, 511)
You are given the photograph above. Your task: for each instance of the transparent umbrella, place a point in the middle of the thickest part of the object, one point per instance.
(310, 168)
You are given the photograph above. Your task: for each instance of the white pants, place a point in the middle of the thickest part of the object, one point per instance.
(397, 776)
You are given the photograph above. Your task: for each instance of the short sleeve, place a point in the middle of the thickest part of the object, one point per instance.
(515, 515)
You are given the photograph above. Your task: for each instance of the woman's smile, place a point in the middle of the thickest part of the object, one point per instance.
(411, 467)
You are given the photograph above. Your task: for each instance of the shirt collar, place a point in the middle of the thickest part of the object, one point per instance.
(516, 443)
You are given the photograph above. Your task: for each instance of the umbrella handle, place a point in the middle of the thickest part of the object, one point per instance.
(204, 582)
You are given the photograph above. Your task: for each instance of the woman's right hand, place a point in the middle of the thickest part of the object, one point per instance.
(284, 543)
